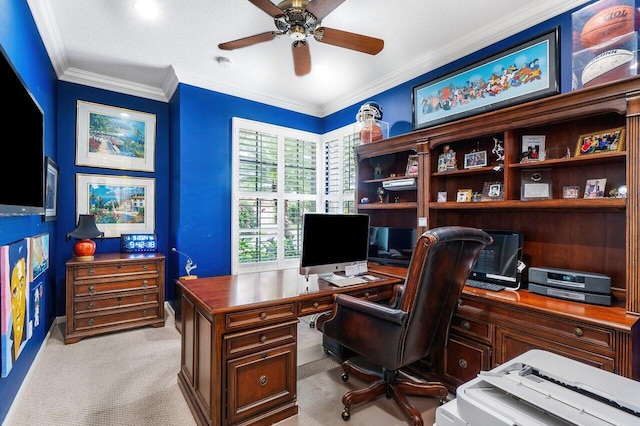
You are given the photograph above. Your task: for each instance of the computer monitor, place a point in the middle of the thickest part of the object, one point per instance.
(391, 245)
(331, 242)
(499, 262)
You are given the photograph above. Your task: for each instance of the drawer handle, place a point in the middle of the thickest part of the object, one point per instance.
(91, 272)
(145, 267)
(315, 304)
(144, 298)
(90, 305)
(263, 315)
(90, 322)
(263, 380)
(578, 332)
(263, 338)
(92, 290)
(465, 324)
(144, 312)
(366, 295)
(462, 363)
(145, 283)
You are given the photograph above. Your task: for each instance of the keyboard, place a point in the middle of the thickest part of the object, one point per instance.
(484, 285)
(341, 281)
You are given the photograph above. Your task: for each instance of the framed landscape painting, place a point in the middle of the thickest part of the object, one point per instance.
(522, 73)
(120, 204)
(115, 138)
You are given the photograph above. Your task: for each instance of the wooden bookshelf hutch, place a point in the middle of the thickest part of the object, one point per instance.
(595, 235)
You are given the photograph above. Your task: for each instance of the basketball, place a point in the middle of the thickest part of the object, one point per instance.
(608, 24)
(608, 66)
(371, 133)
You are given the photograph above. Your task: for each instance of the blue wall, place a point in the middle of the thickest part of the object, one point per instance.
(193, 160)
(21, 41)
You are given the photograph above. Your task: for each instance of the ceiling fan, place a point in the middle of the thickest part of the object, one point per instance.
(300, 19)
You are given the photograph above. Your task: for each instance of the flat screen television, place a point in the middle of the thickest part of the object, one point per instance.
(391, 245)
(331, 242)
(22, 158)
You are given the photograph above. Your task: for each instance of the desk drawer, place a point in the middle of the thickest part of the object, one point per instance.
(314, 306)
(259, 317)
(374, 294)
(263, 338)
(88, 288)
(112, 269)
(118, 317)
(472, 328)
(83, 305)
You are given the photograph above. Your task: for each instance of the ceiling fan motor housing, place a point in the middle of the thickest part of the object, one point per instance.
(295, 21)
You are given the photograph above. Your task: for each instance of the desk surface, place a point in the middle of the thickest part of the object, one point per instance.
(229, 292)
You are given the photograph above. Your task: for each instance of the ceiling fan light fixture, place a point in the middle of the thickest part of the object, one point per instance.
(298, 33)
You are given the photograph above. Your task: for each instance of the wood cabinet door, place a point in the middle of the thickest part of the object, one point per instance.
(464, 359)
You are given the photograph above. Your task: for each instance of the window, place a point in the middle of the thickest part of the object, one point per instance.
(280, 174)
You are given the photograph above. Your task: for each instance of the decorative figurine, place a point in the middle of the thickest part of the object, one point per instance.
(377, 171)
(447, 160)
(380, 193)
(498, 149)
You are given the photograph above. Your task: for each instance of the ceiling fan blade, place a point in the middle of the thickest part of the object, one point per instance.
(321, 8)
(301, 57)
(267, 7)
(349, 40)
(248, 41)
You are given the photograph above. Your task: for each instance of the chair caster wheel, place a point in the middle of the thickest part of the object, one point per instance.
(345, 377)
(346, 415)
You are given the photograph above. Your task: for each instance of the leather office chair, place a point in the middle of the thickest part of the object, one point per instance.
(415, 324)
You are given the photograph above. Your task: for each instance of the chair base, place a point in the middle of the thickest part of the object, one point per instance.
(391, 385)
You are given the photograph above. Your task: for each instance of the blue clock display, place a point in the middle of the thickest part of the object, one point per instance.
(138, 243)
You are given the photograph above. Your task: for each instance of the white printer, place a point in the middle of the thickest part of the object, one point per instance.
(541, 388)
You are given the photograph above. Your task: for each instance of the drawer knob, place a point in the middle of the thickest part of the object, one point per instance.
(462, 363)
(92, 290)
(90, 322)
(315, 304)
(91, 272)
(465, 324)
(145, 283)
(144, 298)
(263, 338)
(145, 267)
(262, 380)
(144, 312)
(578, 332)
(263, 315)
(90, 305)
(366, 295)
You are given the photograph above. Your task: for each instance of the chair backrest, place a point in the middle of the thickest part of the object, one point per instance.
(441, 263)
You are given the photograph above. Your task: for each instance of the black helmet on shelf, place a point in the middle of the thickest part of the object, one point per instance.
(369, 109)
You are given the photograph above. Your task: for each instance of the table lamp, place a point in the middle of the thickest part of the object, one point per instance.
(188, 267)
(86, 229)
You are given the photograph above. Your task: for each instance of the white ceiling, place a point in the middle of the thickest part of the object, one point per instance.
(105, 44)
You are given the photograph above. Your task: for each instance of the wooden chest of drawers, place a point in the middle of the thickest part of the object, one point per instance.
(113, 292)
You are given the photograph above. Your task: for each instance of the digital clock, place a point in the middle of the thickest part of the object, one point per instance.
(138, 243)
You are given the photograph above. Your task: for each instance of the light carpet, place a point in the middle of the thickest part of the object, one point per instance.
(130, 378)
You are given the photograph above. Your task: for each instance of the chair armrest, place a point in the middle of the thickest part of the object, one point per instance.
(373, 309)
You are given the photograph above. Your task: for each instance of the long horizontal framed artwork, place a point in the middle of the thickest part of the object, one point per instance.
(515, 75)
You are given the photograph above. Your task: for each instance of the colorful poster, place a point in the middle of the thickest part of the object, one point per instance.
(38, 255)
(14, 301)
(36, 298)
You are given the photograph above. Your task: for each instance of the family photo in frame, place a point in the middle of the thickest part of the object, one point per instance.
(611, 140)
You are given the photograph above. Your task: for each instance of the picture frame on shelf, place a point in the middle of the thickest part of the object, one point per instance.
(51, 190)
(121, 204)
(464, 195)
(570, 192)
(595, 188)
(475, 159)
(535, 185)
(115, 138)
(605, 141)
(533, 148)
(442, 197)
(492, 191)
(531, 67)
(412, 165)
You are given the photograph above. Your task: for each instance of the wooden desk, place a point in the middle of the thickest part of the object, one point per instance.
(238, 363)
